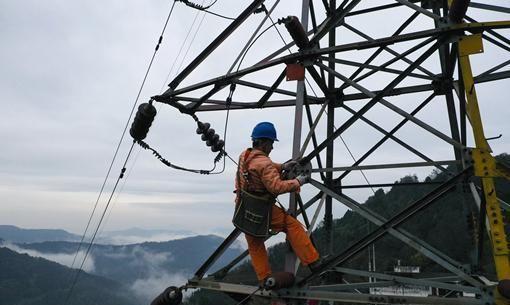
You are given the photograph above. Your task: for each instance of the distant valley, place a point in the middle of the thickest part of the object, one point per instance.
(145, 268)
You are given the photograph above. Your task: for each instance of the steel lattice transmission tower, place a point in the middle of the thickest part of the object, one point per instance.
(427, 56)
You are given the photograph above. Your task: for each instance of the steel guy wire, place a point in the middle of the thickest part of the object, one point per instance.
(139, 149)
(123, 133)
(219, 15)
(228, 103)
(273, 24)
(180, 51)
(345, 144)
(251, 44)
(121, 189)
(193, 38)
(91, 243)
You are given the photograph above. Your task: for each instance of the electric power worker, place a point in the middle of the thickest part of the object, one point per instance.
(258, 182)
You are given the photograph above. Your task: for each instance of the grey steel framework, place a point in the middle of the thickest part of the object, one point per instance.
(444, 39)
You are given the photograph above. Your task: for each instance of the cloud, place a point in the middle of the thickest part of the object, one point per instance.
(156, 279)
(148, 288)
(151, 260)
(61, 258)
(133, 239)
(68, 89)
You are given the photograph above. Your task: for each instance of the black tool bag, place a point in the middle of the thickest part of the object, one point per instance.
(253, 211)
(253, 214)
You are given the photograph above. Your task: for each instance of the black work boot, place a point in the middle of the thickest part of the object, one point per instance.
(315, 266)
(262, 283)
(333, 276)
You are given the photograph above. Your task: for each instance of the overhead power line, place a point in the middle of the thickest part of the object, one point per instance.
(158, 44)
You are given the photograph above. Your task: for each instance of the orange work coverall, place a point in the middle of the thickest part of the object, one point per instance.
(265, 176)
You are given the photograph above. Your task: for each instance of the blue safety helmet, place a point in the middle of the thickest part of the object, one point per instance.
(264, 130)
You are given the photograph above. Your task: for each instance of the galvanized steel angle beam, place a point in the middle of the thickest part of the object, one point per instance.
(216, 105)
(390, 135)
(389, 50)
(333, 296)
(332, 21)
(490, 7)
(420, 9)
(217, 253)
(377, 68)
(496, 42)
(390, 226)
(395, 108)
(356, 286)
(492, 77)
(493, 69)
(385, 166)
(371, 103)
(318, 80)
(311, 133)
(382, 185)
(447, 282)
(376, 9)
(380, 49)
(271, 90)
(226, 79)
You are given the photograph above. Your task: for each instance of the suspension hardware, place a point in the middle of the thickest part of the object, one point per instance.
(210, 137)
(296, 31)
(143, 121)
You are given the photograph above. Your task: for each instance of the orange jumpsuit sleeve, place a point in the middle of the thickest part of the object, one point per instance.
(278, 167)
(273, 182)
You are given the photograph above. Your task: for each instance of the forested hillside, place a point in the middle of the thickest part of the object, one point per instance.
(36, 281)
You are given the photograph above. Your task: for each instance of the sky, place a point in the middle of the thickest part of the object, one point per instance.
(70, 73)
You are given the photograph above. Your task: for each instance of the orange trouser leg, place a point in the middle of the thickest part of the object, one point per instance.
(296, 235)
(258, 254)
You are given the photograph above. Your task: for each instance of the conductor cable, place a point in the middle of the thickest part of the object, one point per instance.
(160, 40)
(91, 243)
(228, 104)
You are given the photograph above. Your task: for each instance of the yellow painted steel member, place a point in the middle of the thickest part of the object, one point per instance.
(484, 163)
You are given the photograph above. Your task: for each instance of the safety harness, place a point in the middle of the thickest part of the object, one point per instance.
(254, 207)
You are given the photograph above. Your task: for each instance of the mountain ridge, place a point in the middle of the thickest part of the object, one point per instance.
(22, 235)
(37, 281)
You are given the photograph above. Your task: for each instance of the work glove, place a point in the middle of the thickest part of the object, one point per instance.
(287, 166)
(303, 179)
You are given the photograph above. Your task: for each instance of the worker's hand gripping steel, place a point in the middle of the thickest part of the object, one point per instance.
(294, 169)
(289, 165)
